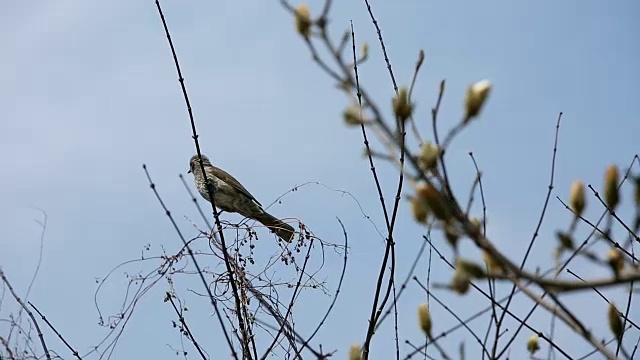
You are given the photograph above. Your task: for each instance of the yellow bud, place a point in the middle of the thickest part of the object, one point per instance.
(615, 322)
(352, 115)
(532, 344)
(476, 96)
(492, 264)
(615, 260)
(424, 319)
(428, 157)
(460, 282)
(303, 20)
(402, 107)
(611, 196)
(577, 200)
(420, 209)
(436, 202)
(472, 269)
(355, 353)
(365, 51)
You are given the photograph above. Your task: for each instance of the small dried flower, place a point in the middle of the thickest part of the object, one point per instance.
(476, 97)
(355, 353)
(428, 157)
(402, 107)
(303, 20)
(577, 199)
(611, 196)
(615, 322)
(532, 344)
(424, 319)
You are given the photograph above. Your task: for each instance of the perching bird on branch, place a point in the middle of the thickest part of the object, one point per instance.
(230, 196)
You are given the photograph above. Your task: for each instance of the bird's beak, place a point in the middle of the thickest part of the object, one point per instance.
(189, 172)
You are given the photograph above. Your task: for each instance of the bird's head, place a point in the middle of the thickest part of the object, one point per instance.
(194, 163)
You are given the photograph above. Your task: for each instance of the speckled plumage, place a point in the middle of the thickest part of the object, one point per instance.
(230, 196)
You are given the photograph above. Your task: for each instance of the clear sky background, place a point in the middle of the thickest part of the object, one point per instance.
(88, 93)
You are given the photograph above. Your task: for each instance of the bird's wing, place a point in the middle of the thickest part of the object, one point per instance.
(226, 177)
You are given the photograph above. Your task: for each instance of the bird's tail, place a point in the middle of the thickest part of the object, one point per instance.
(285, 231)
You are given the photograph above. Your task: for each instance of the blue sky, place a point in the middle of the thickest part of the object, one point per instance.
(89, 93)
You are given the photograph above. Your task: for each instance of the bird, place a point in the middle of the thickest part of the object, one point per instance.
(229, 195)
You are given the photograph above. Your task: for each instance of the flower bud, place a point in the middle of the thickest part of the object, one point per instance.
(352, 115)
(492, 264)
(566, 241)
(402, 107)
(460, 282)
(615, 260)
(476, 96)
(303, 20)
(355, 353)
(532, 344)
(365, 51)
(428, 157)
(611, 196)
(577, 200)
(436, 202)
(451, 234)
(472, 269)
(419, 209)
(424, 319)
(615, 322)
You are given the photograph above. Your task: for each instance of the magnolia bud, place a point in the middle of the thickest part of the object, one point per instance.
(577, 200)
(492, 264)
(615, 322)
(355, 353)
(424, 319)
(611, 196)
(303, 20)
(472, 269)
(566, 241)
(451, 234)
(476, 96)
(420, 209)
(436, 202)
(365, 51)
(460, 282)
(402, 107)
(615, 260)
(352, 115)
(532, 344)
(428, 157)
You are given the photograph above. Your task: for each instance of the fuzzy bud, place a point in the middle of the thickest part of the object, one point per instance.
(472, 269)
(476, 223)
(492, 264)
(615, 322)
(532, 344)
(476, 97)
(615, 260)
(355, 353)
(428, 157)
(451, 234)
(565, 240)
(352, 115)
(611, 196)
(303, 20)
(577, 199)
(365, 51)
(460, 282)
(419, 209)
(435, 201)
(424, 319)
(402, 107)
